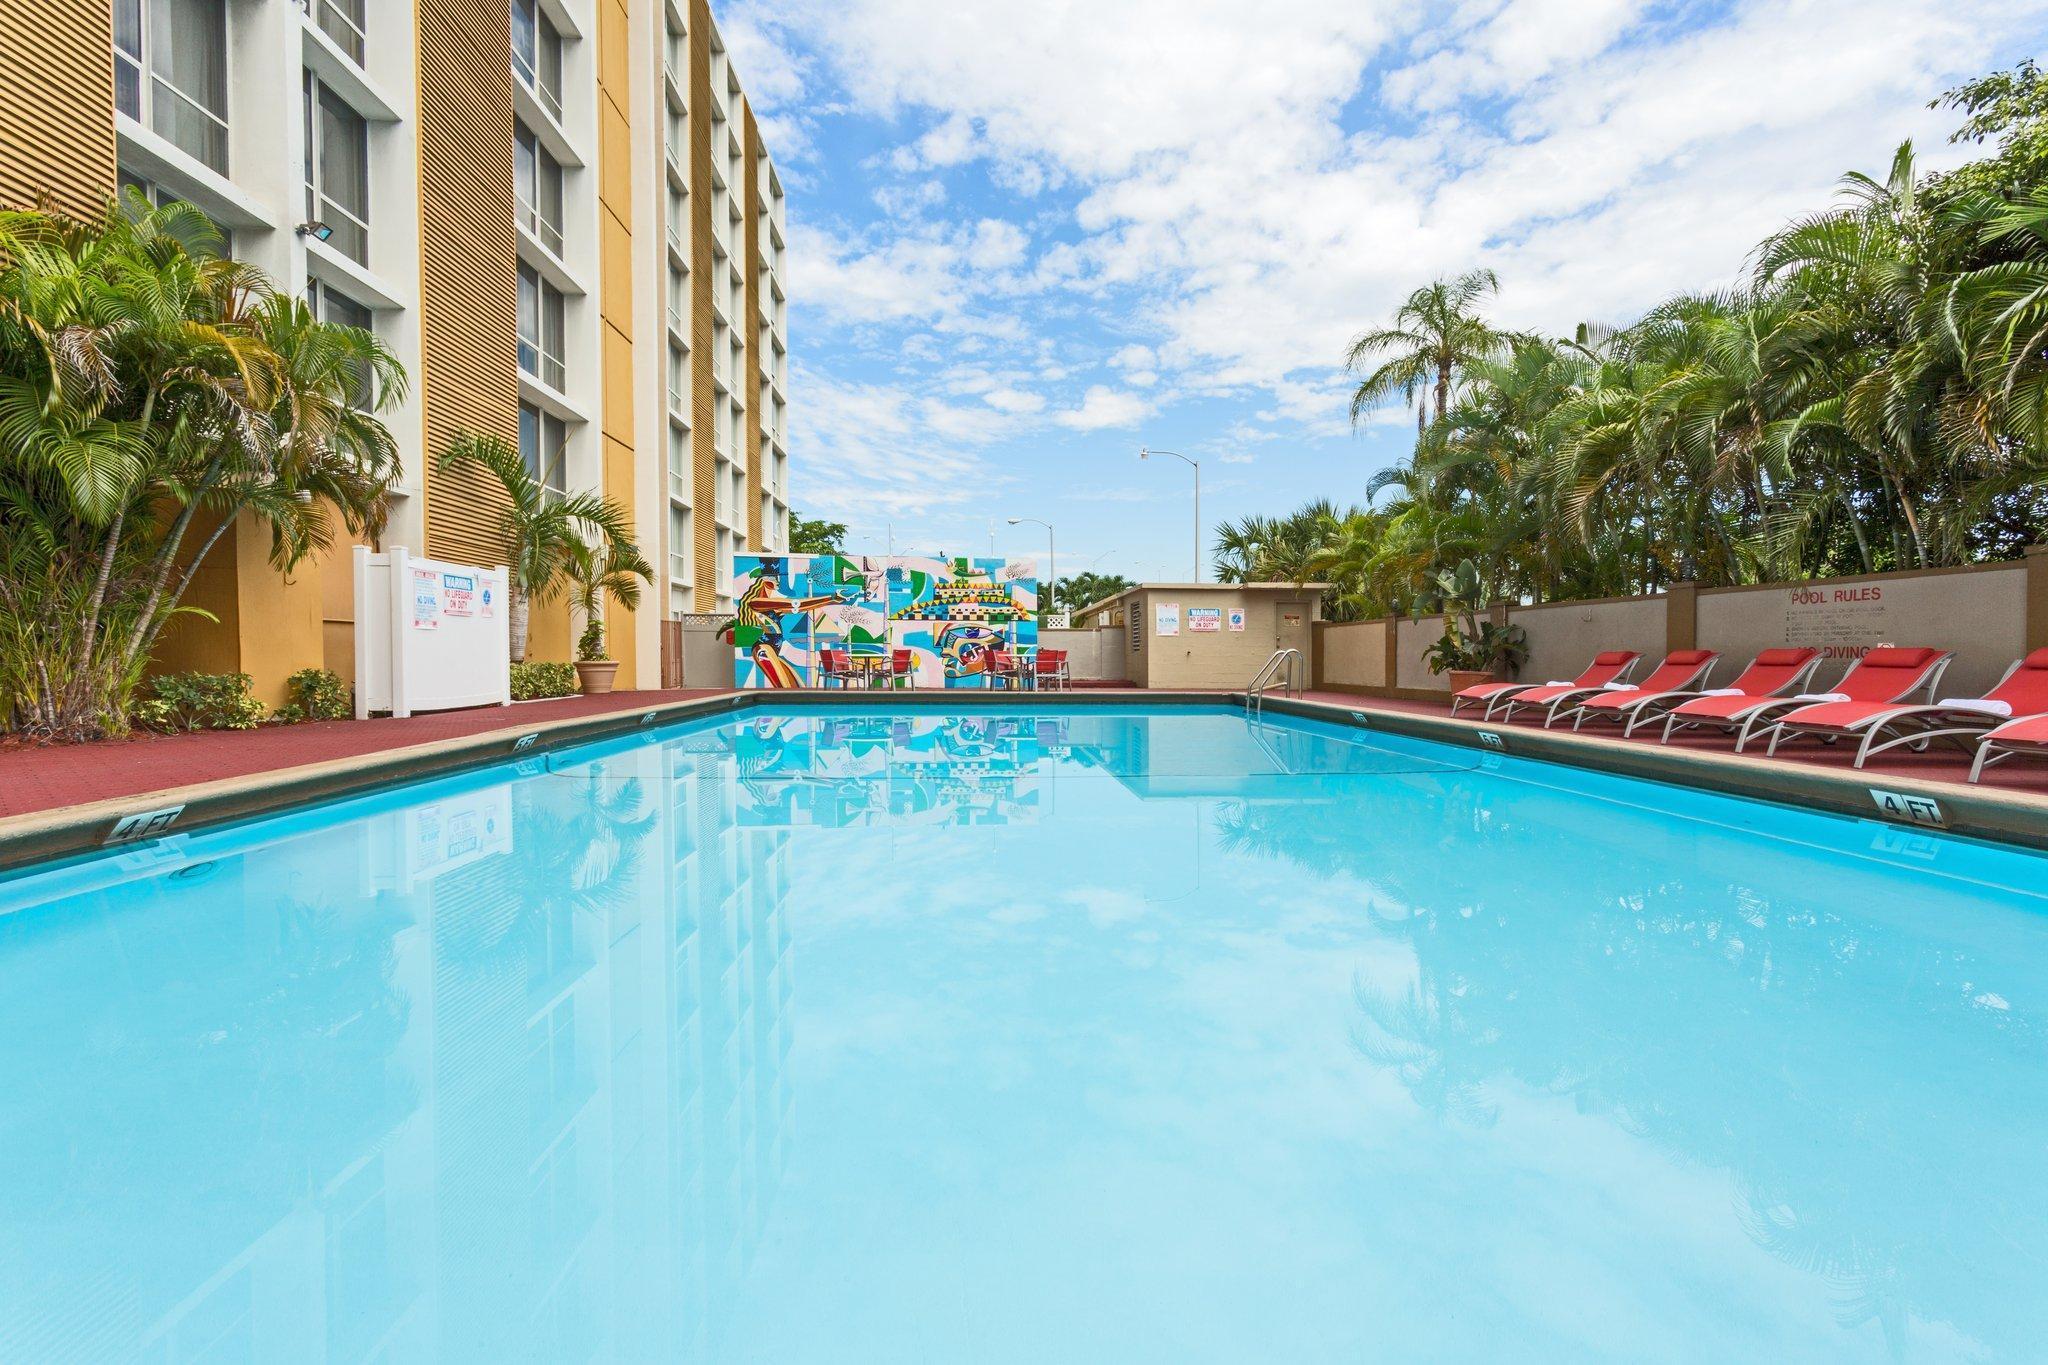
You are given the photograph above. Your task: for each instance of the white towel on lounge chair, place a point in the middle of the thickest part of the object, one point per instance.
(1822, 696)
(1555, 683)
(1622, 687)
(1724, 692)
(1981, 705)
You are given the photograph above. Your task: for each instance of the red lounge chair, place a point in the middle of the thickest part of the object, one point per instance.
(1049, 667)
(1681, 675)
(1605, 670)
(2021, 693)
(1556, 698)
(835, 664)
(1773, 674)
(1886, 674)
(2029, 736)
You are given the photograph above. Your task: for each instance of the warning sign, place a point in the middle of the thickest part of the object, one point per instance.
(426, 599)
(458, 594)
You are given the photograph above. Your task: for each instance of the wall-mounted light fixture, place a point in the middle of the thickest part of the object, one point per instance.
(316, 229)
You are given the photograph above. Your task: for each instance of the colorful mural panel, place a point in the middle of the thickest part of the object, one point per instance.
(950, 614)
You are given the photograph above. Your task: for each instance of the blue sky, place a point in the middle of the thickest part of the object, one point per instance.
(1026, 239)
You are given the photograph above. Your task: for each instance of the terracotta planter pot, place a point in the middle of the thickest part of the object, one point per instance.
(1462, 678)
(596, 675)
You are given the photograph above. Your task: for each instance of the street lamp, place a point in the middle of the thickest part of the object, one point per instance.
(1052, 563)
(1196, 465)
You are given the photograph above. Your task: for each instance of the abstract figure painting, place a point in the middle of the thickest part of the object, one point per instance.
(952, 615)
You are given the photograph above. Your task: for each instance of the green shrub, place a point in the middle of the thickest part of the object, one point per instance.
(316, 694)
(199, 701)
(530, 681)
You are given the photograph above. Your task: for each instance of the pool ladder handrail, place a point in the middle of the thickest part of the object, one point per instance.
(1270, 674)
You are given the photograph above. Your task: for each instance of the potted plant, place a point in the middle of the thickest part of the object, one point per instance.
(613, 569)
(1483, 656)
(1470, 651)
(541, 529)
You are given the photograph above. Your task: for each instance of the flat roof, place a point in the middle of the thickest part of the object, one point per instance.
(1198, 587)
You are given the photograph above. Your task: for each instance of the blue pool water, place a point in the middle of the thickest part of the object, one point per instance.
(1081, 1034)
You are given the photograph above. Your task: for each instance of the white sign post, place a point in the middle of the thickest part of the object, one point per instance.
(430, 636)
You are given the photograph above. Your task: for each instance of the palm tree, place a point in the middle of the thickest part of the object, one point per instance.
(1435, 336)
(152, 395)
(542, 531)
(596, 572)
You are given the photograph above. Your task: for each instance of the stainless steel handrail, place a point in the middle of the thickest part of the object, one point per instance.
(1269, 673)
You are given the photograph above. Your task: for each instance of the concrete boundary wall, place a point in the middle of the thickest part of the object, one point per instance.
(1988, 614)
(1092, 654)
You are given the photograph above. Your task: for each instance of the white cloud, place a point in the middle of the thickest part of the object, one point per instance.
(1007, 399)
(1103, 407)
(1597, 153)
(876, 450)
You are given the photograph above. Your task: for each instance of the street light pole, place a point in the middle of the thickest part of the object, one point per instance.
(1196, 465)
(1052, 561)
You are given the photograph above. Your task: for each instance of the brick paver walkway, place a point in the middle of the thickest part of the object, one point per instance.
(45, 777)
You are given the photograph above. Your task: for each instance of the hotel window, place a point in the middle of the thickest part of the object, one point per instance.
(171, 72)
(679, 546)
(537, 184)
(541, 328)
(679, 469)
(342, 20)
(329, 305)
(220, 243)
(543, 445)
(678, 221)
(537, 55)
(338, 170)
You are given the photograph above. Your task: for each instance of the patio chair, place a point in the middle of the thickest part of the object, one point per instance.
(1886, 674)
(902, 669)
(1771, 675)
(2026, 736)
(2021, 693)
(1681, 675)
(1002, 667)
(836, 665)
(1050, 667)
(1555, 698)
(1606, 669)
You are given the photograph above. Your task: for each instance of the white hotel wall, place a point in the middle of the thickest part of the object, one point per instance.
(261, 196)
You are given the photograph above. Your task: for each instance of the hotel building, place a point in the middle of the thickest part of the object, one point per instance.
(557, 214)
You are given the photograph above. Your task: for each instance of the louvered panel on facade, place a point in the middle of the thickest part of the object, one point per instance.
(57, 103)
(703, 420)
(469, 289)
(750, 141)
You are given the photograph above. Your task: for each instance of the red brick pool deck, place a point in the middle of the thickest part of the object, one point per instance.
(46, 778)
(1941, 763)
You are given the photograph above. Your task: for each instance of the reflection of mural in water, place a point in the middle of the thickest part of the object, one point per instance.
(835, 771)
(427, 1048)
(1753, 1047)
(950, 614)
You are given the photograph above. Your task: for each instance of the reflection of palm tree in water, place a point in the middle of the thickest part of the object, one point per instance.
(1415, 1036)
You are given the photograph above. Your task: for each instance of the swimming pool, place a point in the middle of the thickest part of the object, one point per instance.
(1091, 1032)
